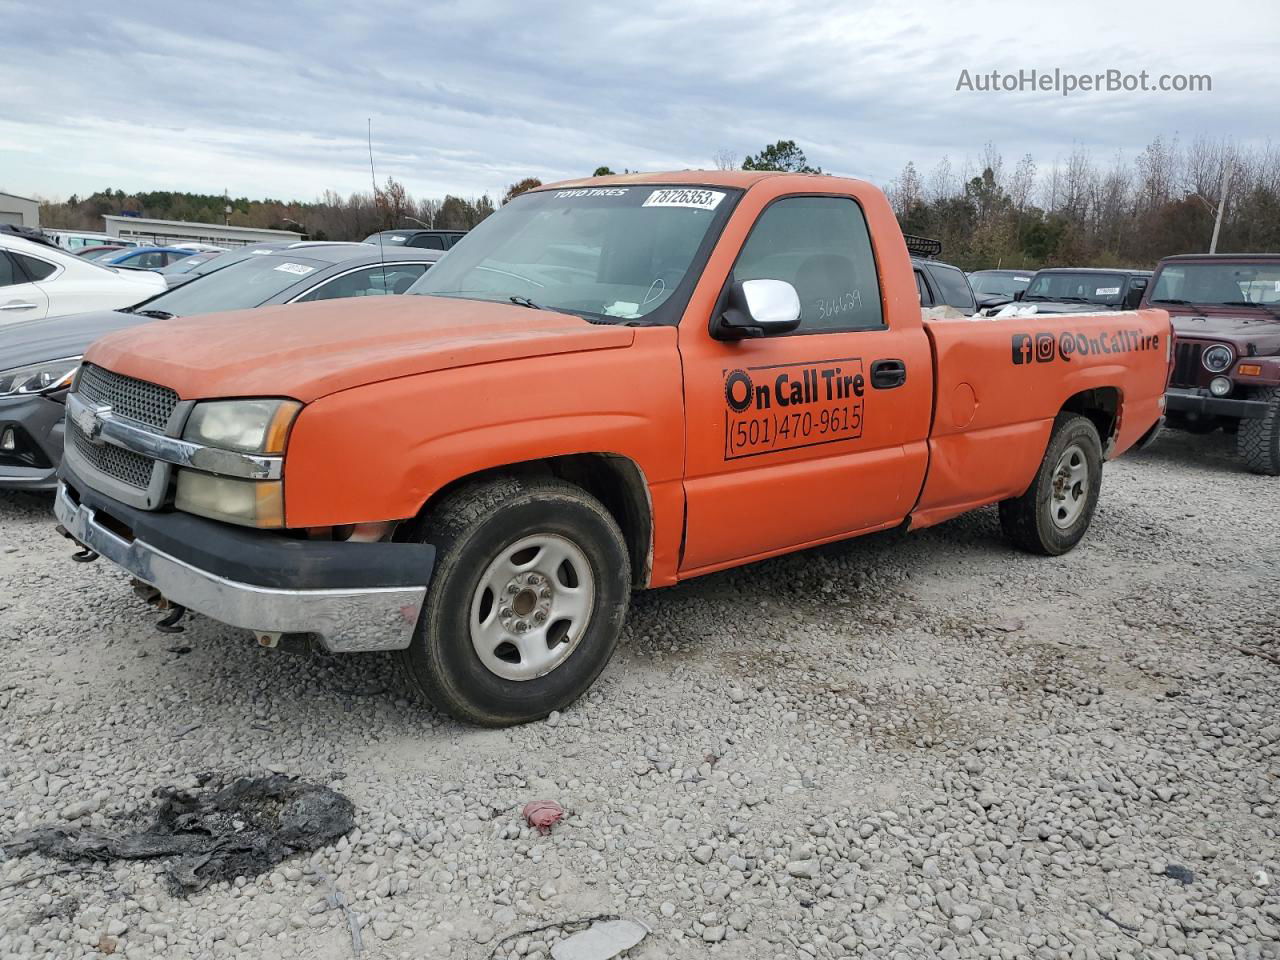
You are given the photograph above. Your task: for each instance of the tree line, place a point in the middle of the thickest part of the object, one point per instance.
(1072, 212)
(331, 217)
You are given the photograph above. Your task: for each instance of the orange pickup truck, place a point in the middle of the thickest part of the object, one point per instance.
(610, 384)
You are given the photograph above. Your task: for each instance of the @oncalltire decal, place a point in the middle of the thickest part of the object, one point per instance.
(784, 406)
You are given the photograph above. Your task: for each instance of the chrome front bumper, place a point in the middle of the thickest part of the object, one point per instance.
(346, 620)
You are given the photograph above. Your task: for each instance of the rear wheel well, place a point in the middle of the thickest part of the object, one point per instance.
(612, 479)
(1102, 406)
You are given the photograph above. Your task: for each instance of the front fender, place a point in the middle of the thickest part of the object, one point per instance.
(380, 451)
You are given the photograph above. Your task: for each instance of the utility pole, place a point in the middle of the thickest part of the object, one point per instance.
(1222, 203)
(226, 209)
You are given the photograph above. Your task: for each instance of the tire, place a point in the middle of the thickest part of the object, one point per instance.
(496, 663)
(1055, 512)
(1258, 439)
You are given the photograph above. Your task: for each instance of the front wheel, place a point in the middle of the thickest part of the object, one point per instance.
(1056, 510)
(1258, 438)
(527, 602)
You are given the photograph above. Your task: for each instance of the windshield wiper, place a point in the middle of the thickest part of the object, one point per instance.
(156, 314)
(1271, 307)
(525, 302)
(1171, 300)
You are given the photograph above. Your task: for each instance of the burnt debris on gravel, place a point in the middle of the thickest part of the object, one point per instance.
(219, 832)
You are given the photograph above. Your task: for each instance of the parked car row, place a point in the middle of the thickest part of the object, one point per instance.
(38, 358)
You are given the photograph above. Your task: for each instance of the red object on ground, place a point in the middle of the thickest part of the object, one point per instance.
(543, 814)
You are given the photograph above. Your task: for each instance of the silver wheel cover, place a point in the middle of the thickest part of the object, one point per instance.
(532, 607)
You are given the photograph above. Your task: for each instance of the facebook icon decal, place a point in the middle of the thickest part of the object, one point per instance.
(1022, 350)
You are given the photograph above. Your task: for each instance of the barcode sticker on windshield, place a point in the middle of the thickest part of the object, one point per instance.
(1106, 291)
(684, 197)
(297, 268)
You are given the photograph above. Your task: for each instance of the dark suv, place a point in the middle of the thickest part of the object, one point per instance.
(430, 239)
(1085, 289)
(1226, 367)
(939, 284)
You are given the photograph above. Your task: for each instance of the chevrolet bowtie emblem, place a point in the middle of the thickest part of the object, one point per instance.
(90, 420)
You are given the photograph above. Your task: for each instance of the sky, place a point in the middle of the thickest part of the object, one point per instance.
(272, 100)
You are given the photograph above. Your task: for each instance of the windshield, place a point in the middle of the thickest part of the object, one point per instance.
(249, 283)
(1081, 287)
(998, 284)
(620, 251)
(1218, 284)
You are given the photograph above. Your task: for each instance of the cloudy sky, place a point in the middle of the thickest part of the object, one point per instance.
(467, 96)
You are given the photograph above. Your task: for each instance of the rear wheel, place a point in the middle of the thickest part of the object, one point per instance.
(1258, 438)
(527, 601)
(1056, 510)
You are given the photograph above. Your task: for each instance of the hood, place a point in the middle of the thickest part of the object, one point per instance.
(34, 341)
(308, 350)
(1062, 306)
(1258, 328)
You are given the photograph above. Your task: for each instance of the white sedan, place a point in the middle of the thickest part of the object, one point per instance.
(37, 281)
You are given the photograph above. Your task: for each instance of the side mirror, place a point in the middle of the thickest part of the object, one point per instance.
(758, 308)
(995, 300)
(1017, 294)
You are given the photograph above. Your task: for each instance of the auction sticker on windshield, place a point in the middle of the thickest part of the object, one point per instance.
(685, 197)
(300, 269)
(785, 406)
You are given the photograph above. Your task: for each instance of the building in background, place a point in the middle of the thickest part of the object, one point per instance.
(19, 211)
(176, 232)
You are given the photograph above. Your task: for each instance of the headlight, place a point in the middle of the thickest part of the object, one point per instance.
(250, 503)
(39, 377)
(1217, 358)
(246, 426)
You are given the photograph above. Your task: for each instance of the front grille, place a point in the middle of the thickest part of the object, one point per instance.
(116, 462)
(1186, 363)
(138, 400)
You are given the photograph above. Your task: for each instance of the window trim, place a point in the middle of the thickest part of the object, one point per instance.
(723, 300)
(15, 258)
(428, 264)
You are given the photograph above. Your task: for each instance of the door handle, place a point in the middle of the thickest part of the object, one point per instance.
(17, 306)
(887, 374)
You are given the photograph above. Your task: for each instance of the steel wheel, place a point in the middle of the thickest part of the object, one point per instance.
(532, 606)
(1070, 487)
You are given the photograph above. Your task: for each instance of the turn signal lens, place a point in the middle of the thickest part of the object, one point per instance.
(1249, 370)
(249, 503)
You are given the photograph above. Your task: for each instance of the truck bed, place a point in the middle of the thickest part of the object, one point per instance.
(988, 447)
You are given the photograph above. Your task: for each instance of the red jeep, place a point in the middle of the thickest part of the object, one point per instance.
(1226, 372)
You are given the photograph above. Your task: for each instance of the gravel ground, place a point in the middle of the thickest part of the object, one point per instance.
(897, 747)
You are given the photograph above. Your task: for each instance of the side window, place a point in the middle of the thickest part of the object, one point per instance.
(922, 288)
(953, 286)
(374, 281)
(36, 269)
(430, 241)
(8, 273)
(819, 245)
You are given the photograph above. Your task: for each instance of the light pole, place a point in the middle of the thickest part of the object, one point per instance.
(1222, 203)
(301, 228)
(417, 221)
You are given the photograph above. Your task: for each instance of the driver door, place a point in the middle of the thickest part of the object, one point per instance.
(797, 438)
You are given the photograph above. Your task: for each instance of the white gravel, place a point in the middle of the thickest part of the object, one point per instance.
(895, 747)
